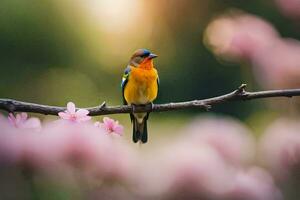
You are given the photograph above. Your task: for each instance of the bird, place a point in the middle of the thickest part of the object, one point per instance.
(140, 83)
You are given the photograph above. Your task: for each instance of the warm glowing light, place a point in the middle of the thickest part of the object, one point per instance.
(114, 15)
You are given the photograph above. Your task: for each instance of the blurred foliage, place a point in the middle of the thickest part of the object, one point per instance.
(54, 51)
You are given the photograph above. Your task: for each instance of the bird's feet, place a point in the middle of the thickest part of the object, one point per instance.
(134, 106)
(151, 105)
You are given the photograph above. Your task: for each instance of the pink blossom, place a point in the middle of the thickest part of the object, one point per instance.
(183, 169)
(22, 121)
(81, 145)
(62, 147)
(243, 37)
(290, 8)
(253, 183)
(187, 170)
(278, 66)
(110, 126)
(280, 147)
(200, 170)
(232, 139)
(71, 114)
(239, 36)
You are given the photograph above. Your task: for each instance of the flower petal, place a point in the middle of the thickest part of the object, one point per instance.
(97, 124)
(108, 122)
(102, 126)
(82, 113)
(24, 116)
(83, 119)
(118, 129)
(11, 119)
(64, 115)
(71, 107)
(33, 123)
(18, 119)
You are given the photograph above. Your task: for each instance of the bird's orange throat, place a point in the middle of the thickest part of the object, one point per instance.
(147, 64)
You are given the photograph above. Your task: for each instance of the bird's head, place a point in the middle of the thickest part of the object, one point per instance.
(142, 58)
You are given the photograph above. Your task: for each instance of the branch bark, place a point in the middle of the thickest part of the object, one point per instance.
(239, 94)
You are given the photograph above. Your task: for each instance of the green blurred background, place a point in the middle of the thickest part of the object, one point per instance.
(55, 51)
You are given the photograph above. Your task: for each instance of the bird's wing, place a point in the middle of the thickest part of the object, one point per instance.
(158, 82)
(123, 85)
(124, 82)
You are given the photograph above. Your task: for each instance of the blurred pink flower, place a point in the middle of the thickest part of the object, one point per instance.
(245, 37)
(239, 36)
(232, 139)
(82, 146)
(189, 171)
(71, 114)
(278, 66)
(290, 8)
(110, 126)
(184, 171)
(280, 147)
(22, 121)
(254, 183)
(199, 171)
(62, 147)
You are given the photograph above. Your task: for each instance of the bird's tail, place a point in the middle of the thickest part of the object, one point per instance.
(140, 132)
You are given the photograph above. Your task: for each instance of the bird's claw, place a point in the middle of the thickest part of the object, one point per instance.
(133, 108)
(149, 105)
(152, 106)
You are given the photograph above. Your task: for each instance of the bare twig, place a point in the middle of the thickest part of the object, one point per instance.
(239, 94)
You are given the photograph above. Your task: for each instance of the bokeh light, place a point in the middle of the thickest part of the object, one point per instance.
(115, 16)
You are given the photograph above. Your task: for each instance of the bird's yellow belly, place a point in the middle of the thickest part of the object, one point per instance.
(141, 89)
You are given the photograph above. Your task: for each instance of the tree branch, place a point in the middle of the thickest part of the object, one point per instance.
(239, 94)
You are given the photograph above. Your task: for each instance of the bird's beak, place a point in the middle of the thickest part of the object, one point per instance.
(152, 55)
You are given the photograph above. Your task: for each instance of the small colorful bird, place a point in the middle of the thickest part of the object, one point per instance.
(140, 87)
